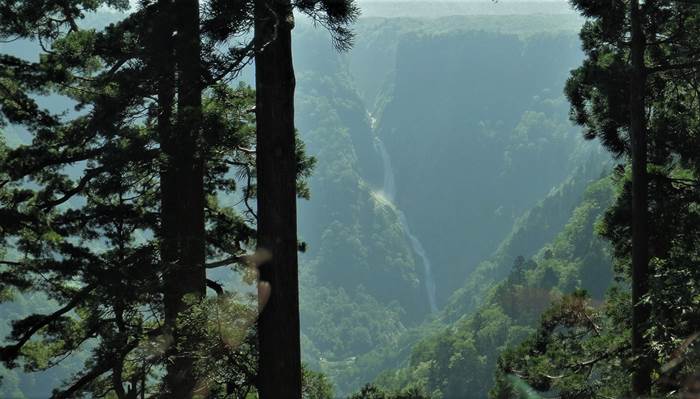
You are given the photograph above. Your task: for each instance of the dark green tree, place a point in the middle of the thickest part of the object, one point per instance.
(641, 375)
(112, 211)
(182, 191)
(633, 92)
(277, 166)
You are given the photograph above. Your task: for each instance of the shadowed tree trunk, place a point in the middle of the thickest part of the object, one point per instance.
(182, 192)
(641, 378)
(278, 324)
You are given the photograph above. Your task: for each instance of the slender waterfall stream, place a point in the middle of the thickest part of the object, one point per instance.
(388, 196)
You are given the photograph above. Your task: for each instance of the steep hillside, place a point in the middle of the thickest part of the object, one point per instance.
(529, 233)
(360, 279)
(459, 360)
(535, 229)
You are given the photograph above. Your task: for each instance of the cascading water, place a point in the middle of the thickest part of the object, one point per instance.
(389, 192)
(389, 188)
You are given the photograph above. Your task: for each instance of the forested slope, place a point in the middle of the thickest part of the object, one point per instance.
(459, 134)
(459, 361)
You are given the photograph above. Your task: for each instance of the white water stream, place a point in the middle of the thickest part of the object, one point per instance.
(388, 197)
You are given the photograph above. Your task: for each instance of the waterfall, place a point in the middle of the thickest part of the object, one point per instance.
(389, 193)
(389, 188)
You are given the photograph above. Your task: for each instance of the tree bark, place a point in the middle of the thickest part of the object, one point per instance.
(279, 374)
(641, 377)
(182, 193)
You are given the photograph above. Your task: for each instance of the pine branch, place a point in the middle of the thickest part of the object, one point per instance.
(10, 353)
(98, 370)
(89, 175)
(675, 67)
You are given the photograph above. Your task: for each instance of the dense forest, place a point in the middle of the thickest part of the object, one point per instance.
(324, 199)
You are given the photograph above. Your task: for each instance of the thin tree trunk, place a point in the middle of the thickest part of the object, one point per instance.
(278, 326)
(182, 201)
(641, 378)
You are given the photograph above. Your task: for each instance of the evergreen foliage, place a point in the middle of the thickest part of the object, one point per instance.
(82, 202)
(584, 352)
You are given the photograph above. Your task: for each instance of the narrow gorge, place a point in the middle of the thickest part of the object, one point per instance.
(387, 196)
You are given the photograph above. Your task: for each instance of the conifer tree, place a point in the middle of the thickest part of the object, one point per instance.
(280, 352)
(100, 208)
(634, 93)
(122, 210)
(182, 199)
(277, 166)
(641, 377)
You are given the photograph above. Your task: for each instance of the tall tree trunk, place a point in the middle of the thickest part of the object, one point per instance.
(182, 196)
(641, 378)
(278, 325)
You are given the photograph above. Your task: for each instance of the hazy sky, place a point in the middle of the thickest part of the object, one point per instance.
(437, 8)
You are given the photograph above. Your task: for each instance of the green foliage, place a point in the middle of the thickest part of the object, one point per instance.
(360, 281)
(80, 205)
(535, 228)
(315, 385)
(362, 295)
(581, 350)
(341, 325)
(370, 391)
(574, 340)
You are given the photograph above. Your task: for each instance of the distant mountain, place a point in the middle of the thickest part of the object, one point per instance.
(434, 9)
